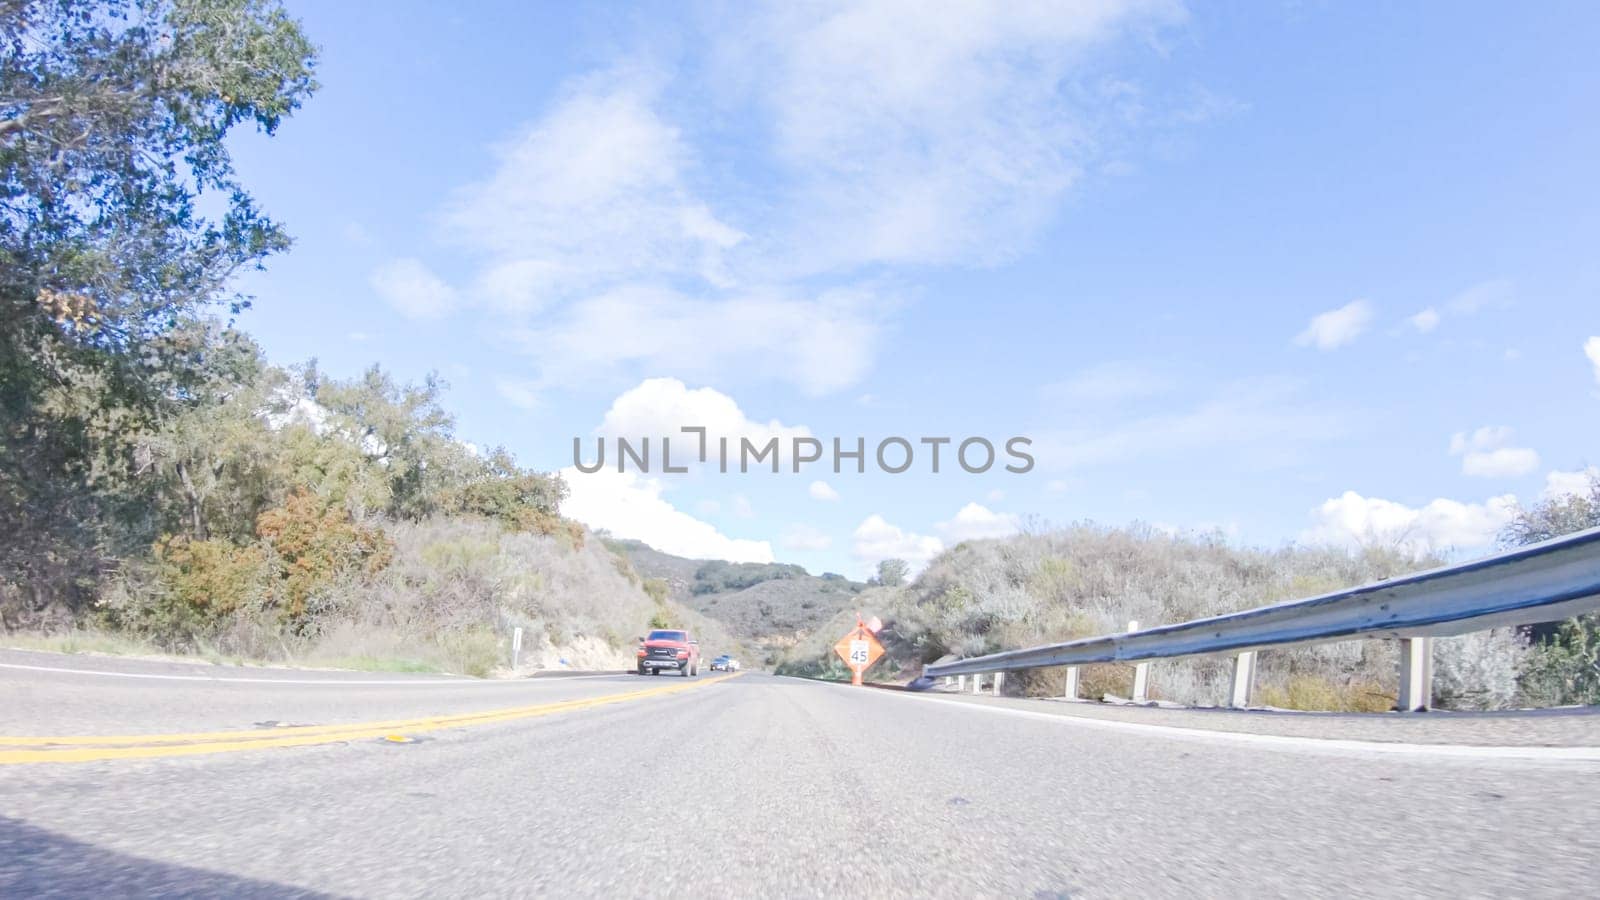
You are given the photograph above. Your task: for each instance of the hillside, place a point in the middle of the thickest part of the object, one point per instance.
(983, 596)
(771, 606)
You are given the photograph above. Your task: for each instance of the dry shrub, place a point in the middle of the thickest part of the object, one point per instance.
(1034, 588)
(1096, 681)
(316, 542)
(211, 578)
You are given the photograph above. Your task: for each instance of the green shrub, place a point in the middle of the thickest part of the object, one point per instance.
(1564, 669)
(718, 576)
(472, 651)
(656, 588)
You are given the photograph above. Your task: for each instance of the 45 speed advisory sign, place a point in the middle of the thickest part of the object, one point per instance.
(859, 649)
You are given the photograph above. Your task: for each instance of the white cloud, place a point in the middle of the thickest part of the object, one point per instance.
(976, 522)
(1591, 349)
(1559, 484)
(1337, 327)
(821, 490)
(518, 392)
(592, 190)
(820, 344)
(1353, 520)
(1484, 454)
(1493, 294)
(659, 407)
(876, 540)
(622, 239)
(1425, 321)
(631, 506)
(804, 537)
(1486, 438)
(590, 235)
(1504, 462)
(995, 495)
(1109, 383)
(912, 138)
(413, 290)
(742, 507)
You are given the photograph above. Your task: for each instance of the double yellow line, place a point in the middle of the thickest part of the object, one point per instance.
(96, 748)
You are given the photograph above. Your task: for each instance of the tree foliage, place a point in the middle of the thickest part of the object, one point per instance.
(113, 115)
(892, 573)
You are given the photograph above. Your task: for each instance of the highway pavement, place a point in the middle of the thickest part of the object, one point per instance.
(130, 778)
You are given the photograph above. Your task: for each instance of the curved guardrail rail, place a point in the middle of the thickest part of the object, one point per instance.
(1542, 582)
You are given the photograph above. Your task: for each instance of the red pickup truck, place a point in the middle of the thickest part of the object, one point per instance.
(669, 649)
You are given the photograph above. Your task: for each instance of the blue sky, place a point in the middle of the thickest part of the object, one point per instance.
(1318, 272)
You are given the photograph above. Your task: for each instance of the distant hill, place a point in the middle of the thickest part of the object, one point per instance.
(769, 605)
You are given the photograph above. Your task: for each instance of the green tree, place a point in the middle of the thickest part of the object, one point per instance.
(892, 572)
(113, 115)
(401, 428)
(209, 449)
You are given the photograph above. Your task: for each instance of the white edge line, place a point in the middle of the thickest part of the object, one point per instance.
(335, 681)
(1290, 742)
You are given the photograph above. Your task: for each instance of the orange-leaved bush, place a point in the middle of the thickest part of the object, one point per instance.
(315, 542)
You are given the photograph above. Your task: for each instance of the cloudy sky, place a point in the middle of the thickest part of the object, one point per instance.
(1316, 272)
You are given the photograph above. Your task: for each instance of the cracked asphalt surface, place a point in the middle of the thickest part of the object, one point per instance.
(752, 786)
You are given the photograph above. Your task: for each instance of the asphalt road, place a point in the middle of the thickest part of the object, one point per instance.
(748, 786)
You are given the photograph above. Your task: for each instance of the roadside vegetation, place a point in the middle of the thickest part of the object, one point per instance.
(984, 596)
(162, 487)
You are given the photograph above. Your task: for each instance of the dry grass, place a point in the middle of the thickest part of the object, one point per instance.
(1310, 692)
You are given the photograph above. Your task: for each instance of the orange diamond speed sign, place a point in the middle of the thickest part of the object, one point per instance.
(859, 649)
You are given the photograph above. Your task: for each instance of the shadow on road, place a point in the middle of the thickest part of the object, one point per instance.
(39, 863)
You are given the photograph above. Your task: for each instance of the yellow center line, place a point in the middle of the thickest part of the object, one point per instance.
(73, 749)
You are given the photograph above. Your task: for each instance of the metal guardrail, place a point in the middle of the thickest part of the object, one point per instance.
(1542, 582)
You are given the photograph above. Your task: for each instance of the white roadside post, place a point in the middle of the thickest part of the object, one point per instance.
(1071, 692)
(1416, 674)
(961, 684)
(1244, 679)
(998, 677)
(516, 645)
(977, 682)
(1141, 674)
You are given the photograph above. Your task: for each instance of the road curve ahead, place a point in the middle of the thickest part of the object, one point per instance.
(746, 786)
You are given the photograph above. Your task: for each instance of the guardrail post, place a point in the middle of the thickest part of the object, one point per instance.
(1141, 674)
(1072, 683)
(998, 678)
(961, 684)
(1244, 679)
(977, 682)
(1416, 674)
